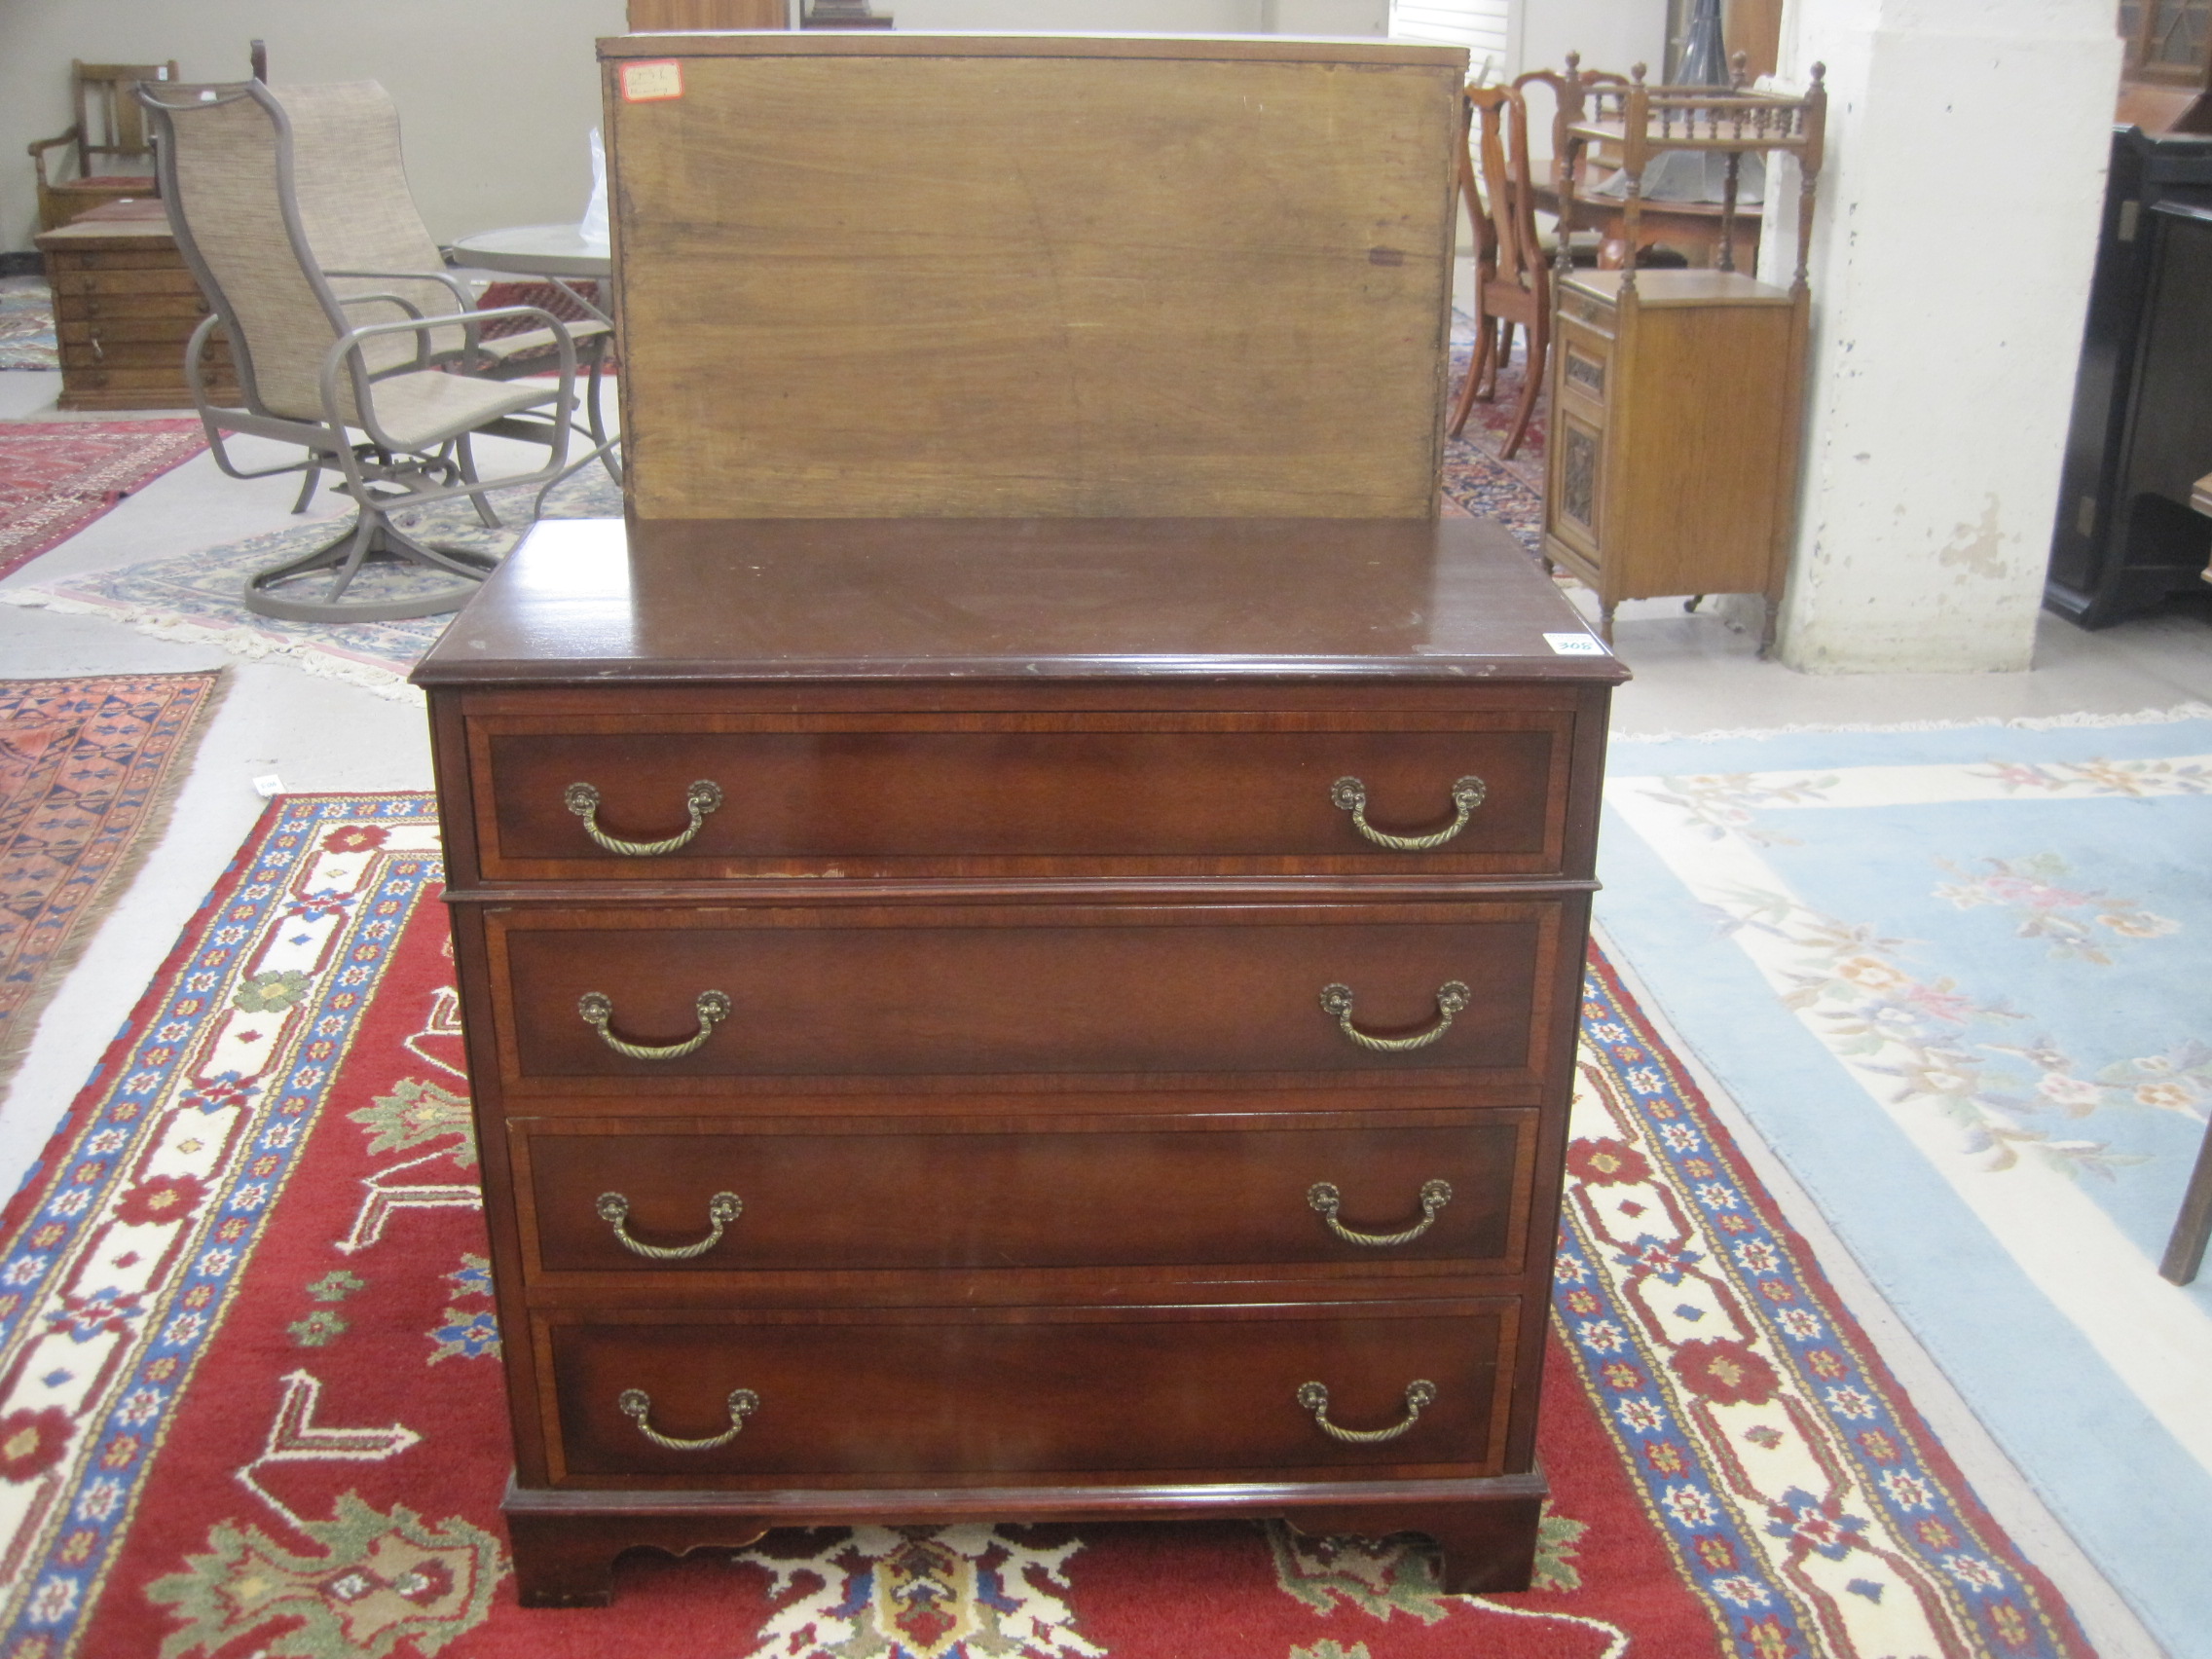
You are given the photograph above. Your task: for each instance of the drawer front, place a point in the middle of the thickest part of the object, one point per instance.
(185, 304)
(966, 1398)
(978, 992)
(1585, 367)
(171, 279)
(1580, 307)
(118, 259)
(1107, 795)
(170, 333)
(100, 349)
(1181, 1192)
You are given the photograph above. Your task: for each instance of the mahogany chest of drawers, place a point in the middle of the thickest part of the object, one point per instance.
(1018, 1020)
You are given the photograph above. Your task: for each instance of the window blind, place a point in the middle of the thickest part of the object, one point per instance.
(1479, 25)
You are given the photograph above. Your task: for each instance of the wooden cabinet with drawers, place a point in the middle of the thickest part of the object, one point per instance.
(1673, 458)
(1020, 1021)
(1676, 395)
(124, 307)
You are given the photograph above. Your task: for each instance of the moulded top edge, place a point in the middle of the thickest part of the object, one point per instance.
(886, 42)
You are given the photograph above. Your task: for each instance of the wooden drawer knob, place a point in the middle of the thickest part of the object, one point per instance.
(1316, 1399)
(1451, 998)
(638, 1406)
(1350, 795)
(1324, 1198)
(701, 798)
(722, 1209)
(597, 1012)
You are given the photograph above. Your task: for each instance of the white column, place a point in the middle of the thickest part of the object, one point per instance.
(1954, 236)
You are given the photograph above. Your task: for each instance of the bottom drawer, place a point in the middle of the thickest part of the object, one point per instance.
(964, 1397)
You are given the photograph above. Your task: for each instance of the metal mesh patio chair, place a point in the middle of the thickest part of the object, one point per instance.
(360, 219)
(360, 378)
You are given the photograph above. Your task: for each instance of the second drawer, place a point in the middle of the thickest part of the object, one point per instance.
(660, 999)
(602, 1195)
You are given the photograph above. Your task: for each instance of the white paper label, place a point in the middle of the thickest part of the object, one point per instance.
(647, 83)
(269, 784)
(1575, 644)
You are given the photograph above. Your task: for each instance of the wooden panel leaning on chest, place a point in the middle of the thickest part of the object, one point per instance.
(1019, 1020)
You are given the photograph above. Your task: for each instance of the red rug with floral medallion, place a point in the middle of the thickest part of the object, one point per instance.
(249, 1398)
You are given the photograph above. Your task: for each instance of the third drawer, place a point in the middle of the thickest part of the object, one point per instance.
(614, 1196)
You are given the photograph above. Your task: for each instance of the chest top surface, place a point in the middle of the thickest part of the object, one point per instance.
(794, 600)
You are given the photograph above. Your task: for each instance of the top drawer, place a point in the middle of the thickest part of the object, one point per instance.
(661, 797)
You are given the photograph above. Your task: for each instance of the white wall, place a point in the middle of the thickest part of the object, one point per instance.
(1325, 17)
(1118, 17)
(1953, 242)
(1610, 34)
(495, 97)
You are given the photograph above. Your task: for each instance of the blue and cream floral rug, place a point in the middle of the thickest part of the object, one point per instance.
(26, 327)
(1958, 979)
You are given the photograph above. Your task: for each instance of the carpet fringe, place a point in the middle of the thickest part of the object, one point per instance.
(2026, 722)
(238, 642)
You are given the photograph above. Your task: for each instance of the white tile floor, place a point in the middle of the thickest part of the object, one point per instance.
(1694, 674)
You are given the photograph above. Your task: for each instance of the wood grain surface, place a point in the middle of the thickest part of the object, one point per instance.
(819, 1200)
(870, 283)
(1015, 990)
(961, 1396)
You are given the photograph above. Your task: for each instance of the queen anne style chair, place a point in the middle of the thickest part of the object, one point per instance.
(275, 197)
(110, 132)
(1512, 275)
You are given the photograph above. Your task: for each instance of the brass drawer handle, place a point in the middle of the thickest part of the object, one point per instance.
(701, 798)
(1451, 998)
(1351, 795)
(1316, 1399)
(597, 1010)
(1324, 1196)
(637, 1405)
(722, 1209)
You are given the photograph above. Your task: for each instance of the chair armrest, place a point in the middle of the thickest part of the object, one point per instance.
(37, 152)
(345, 355)
(411, 309)
(464, 304)
(460, 294)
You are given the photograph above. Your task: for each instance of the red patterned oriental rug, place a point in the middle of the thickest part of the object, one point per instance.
(250, 1401)
(1475, 481)
(58, 476)
(88, 771)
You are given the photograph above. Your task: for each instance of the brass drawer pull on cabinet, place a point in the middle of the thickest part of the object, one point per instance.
(1324, 1198)
(637, 1405)
(597, 1010)
(701, 798)
(722, 1209)
(1451, 998)
(1316, 1399)
(1351, 795)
